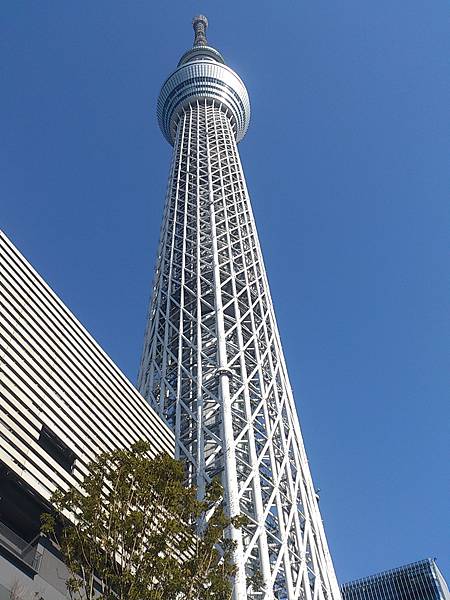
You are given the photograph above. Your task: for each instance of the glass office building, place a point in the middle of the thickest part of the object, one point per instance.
(420, 580)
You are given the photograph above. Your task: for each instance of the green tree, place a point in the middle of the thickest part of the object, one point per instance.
(132, 532)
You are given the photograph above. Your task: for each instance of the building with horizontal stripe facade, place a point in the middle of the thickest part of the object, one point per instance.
(62, 402)
(421, 580)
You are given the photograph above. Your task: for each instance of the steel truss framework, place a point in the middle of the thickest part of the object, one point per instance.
(213, 365)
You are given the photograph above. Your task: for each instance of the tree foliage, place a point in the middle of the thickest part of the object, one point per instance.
(132, 532)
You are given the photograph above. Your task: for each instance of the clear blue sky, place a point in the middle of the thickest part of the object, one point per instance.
(347, 161)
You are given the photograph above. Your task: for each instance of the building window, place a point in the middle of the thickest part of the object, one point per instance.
(57, 449)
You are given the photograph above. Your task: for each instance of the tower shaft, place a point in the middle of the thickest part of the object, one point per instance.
(213, 366)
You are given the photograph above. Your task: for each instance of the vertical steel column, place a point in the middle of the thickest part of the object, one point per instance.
(224, 373)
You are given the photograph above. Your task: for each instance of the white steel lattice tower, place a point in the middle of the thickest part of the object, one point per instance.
(212, 364)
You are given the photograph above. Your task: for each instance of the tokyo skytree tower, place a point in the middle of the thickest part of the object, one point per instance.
(212, 363)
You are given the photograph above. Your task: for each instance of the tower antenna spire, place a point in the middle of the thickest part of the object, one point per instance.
(200, 23)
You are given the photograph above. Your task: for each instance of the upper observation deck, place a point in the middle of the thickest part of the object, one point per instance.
(202, 74)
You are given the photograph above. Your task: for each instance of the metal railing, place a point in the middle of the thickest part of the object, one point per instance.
(25, 551)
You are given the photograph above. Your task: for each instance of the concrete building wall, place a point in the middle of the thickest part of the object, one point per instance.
(17, 583)
(62, 402)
